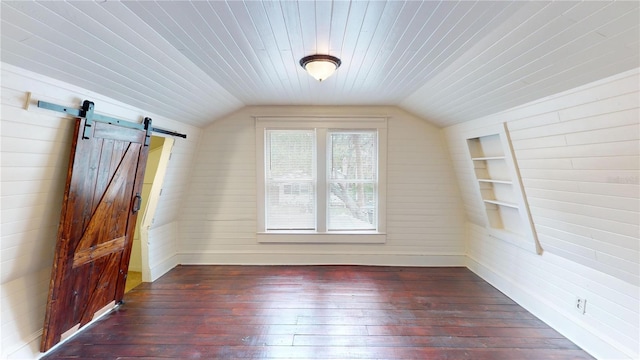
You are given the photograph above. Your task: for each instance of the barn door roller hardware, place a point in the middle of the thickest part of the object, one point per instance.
(87, 112)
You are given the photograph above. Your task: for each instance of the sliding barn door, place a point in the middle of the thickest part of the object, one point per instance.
(97, 222)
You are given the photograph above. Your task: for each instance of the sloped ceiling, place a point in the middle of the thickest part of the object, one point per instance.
(446, 61)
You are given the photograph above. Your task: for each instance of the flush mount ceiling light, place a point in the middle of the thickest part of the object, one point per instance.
(320, 66)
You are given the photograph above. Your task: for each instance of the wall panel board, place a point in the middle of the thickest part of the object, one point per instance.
(578, 154)
(424, 211)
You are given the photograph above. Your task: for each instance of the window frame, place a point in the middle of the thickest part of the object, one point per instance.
(322, 125)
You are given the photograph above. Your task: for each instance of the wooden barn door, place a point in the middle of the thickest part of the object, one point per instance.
(97, 222)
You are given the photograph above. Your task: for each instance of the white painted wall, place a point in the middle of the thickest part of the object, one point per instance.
(578, 154)
(424, 212)
(35, 147)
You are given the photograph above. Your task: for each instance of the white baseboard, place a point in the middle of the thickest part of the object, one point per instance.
(253, 258)
(588, 338)
(30, 349)
(162, 267)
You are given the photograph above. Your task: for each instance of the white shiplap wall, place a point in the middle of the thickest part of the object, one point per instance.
(162, 249)
(424, 211)
(578, 154)
(35, 147)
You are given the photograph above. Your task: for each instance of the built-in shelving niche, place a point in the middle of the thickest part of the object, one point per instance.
(500, 188)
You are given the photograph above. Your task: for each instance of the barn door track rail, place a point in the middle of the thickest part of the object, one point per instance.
(87, 112)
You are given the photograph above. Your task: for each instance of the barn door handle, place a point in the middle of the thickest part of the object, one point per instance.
(137, 202)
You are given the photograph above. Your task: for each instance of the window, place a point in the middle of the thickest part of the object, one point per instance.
(321, 180)
(352, 180)
(290, 165)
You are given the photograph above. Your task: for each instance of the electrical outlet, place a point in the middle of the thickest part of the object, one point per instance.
(581, 305)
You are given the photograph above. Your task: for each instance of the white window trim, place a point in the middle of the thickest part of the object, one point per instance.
(322, 124)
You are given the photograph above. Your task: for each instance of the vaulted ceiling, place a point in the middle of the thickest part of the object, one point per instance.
(445, 61)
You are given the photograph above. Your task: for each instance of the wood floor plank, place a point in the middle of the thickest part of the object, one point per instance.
(318, 312)
(125, 330)
(312, 352)
(432, 342)
(464, 331)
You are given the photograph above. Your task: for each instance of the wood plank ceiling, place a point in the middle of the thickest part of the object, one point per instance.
(446, 61)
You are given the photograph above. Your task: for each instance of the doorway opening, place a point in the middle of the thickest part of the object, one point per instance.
(159, 154)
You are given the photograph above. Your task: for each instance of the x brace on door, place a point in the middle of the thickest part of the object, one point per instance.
(87, 112)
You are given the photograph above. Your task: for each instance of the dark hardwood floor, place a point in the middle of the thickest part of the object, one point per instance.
(318, 312)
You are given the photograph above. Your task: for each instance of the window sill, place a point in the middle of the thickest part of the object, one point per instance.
(322, 238)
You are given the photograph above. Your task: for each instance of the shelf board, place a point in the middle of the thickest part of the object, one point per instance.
(499, 187)
(508, 182)
(501, 203)
(488, 158)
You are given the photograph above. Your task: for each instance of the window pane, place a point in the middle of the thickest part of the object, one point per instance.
(290, 206)
(352, 206)
(290, 180)
(352, 176)
(353, 155)
(290, 154)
